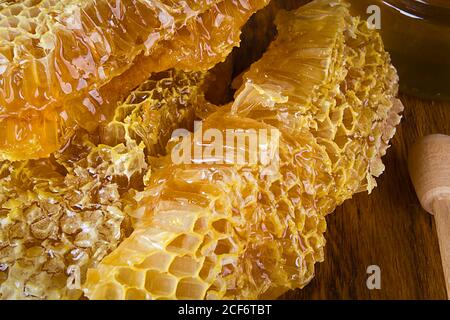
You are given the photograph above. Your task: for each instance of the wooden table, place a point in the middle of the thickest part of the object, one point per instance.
(387, 228)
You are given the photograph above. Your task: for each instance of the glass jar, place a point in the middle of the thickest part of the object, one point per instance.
(417, 35)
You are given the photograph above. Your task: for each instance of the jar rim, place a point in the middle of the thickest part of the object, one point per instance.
(432, 10)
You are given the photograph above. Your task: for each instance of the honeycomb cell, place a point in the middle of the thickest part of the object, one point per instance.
(221, 226)
(190, 289)
(136, 294)
(184, 266)
(207, 270)
(159, 261)
(224, 246)
(162, 285)
(130, 278)
(112, 291)
(201, 225)
(184, 243)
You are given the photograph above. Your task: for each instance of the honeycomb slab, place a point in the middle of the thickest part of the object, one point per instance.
(61, 215)
(65, 64)
(205, 230)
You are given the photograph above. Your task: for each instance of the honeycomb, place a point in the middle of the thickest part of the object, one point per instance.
(67, 63)
(161, 104)
(339, 83)
(220, 231)
(215, 229)
(63, 214)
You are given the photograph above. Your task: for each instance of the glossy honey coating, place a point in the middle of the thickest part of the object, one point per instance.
(161, 104)
(209, 230)
(338, 81)
(220, 231)
(67, 63)
(63, 214)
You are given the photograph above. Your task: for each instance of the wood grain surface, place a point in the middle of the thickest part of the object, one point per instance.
(387, 228)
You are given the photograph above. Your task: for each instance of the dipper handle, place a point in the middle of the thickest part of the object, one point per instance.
(441, 210)
(429, 167)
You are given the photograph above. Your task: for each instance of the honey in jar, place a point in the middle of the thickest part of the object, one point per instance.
(417, 35)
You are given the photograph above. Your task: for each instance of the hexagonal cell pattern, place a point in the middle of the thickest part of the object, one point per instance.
(65, 214)
(233, 232)
(66, 63)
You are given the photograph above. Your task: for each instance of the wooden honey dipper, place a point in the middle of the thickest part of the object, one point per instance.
(429, 167)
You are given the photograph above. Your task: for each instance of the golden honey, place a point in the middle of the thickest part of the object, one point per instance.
(226, 231)
(111, 215)
(67, 212)
(68, 63)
